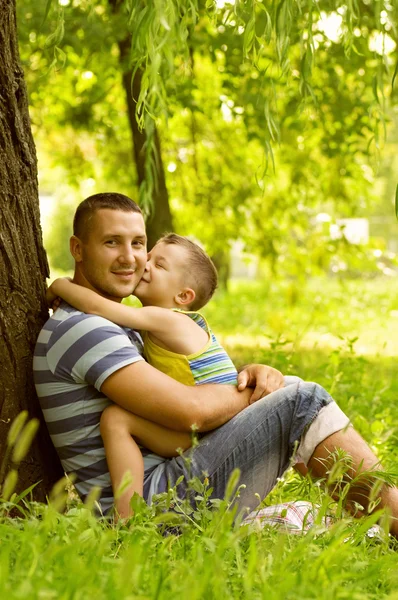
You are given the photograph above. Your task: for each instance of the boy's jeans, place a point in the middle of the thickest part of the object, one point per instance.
(262, 441)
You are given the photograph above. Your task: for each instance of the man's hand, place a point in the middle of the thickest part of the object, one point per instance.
(262, 378)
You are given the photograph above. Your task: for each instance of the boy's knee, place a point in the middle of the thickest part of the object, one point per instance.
(111, 418)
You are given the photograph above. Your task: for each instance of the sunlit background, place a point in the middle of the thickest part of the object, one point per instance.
(286, 177)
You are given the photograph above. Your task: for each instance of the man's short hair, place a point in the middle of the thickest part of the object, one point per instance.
(87, 209)
(201, 273)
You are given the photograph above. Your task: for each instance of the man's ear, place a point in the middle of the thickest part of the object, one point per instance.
(75, 247)
(185, 297)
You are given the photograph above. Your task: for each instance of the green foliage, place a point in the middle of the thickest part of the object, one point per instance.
(270, 36)
(159, 39)
(234, 90)
(73, 554)
(78, 108)
(341, 334)
(19, 439)
(56, 236)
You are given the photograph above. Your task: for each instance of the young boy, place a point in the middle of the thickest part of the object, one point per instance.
(179, 276)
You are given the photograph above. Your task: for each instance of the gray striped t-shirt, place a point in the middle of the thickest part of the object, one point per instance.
(74, 355)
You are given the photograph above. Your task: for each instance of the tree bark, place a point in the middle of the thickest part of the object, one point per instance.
(23, 263)
(160, 220)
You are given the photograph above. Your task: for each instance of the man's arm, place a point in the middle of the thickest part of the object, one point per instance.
(148, 393)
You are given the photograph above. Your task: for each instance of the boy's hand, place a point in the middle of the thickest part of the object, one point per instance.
(53, 300)
(262, 378)
(50, 297)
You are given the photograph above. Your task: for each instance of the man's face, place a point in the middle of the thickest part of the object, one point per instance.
(112, 259)
(164, 274)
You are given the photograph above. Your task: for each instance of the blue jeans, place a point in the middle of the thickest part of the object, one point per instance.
(260, 441)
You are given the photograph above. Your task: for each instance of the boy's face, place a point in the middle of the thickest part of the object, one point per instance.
(112, 258)
(163, 277)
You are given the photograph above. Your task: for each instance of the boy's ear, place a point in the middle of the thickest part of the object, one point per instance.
(75, 247)
(185, 297)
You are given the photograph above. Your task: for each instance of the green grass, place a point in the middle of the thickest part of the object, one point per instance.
(73, 556)
(318, 312)
(46, 554)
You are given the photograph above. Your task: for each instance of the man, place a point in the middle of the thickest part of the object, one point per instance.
(82, 362)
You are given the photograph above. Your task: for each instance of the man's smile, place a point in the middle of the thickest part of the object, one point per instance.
(124, 274)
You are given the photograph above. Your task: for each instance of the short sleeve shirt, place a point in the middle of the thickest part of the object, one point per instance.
(75, 353)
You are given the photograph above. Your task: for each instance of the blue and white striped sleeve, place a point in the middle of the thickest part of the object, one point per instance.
(89, 349)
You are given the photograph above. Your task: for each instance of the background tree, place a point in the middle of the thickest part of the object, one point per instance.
(23, 264)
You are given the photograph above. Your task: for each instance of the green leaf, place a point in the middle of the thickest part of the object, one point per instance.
(24, 441)
(9, 484)
(395, 74)
(92, 497)
(48, 6)
(16, 427)
(375, 88)
(61, 56)
(59, 495)
(25, 493)
(232, 485)
(248, 37)
(60, 486)
(167, 517)
(56, 37)
(126, 482)
(396, 202)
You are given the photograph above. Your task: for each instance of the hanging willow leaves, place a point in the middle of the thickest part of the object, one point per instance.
(160, 31)
(56, 37)
(279, 40)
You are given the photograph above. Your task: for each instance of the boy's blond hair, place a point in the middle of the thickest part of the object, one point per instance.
(200, 272)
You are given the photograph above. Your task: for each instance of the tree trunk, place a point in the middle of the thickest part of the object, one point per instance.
(23, 263)
(221, 261)
(160, 220)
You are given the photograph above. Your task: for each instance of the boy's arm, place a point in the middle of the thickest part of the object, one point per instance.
(160, 321)
(145, 391)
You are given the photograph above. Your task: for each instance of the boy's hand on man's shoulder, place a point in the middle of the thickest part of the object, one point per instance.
(262, 378)
(53, 301)
(52, 297)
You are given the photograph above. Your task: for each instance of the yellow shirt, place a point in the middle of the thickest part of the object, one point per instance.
(210, 365)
